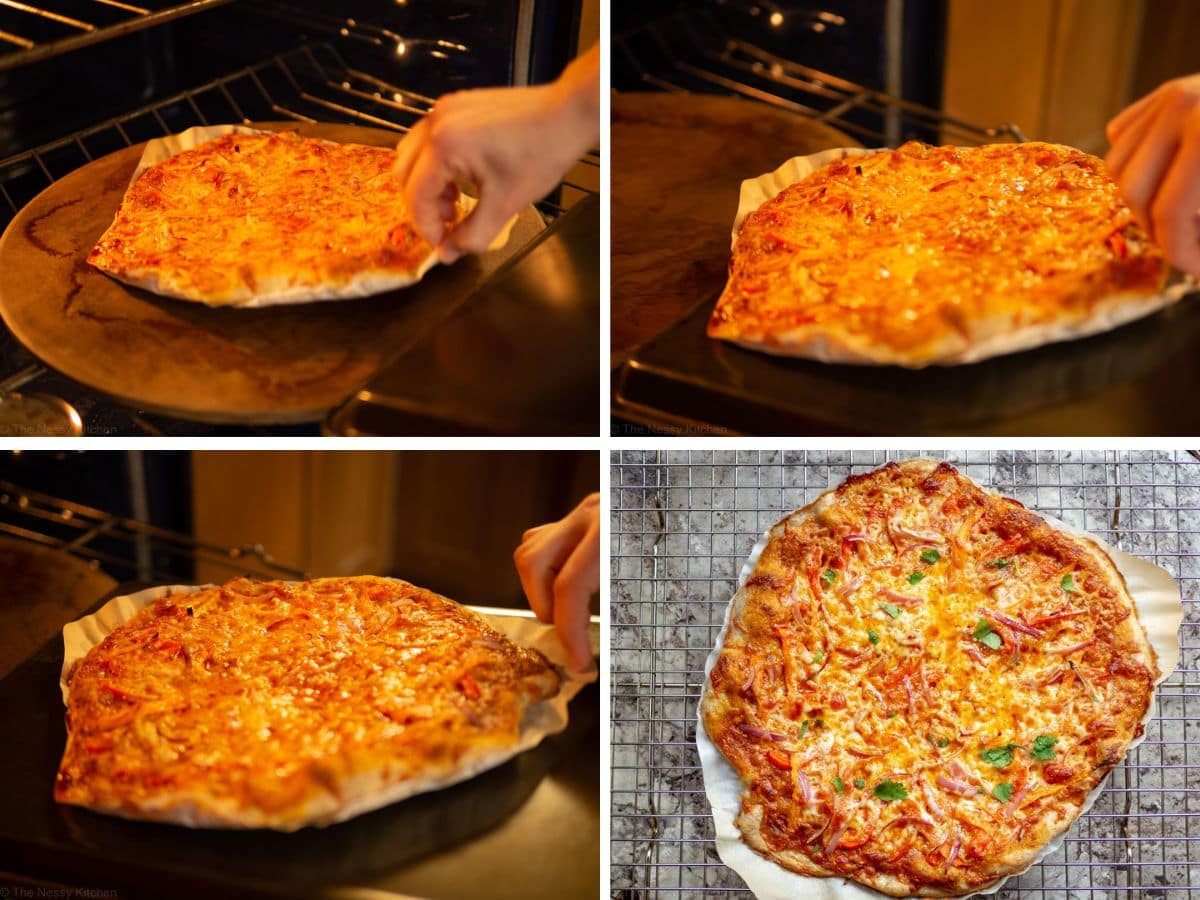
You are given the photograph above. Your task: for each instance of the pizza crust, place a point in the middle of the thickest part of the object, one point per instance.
(360, 793)
(987, 339)
(267, 291)
(1155, 603)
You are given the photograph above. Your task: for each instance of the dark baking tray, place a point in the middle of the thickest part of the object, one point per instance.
(530, 825)
(520, 356)
(1140, 379)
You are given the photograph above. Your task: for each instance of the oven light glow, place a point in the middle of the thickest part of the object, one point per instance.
(401, 48)
(776, 19)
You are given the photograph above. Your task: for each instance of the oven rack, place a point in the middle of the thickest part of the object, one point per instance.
(33, 30)
(76, 529)
(683, 523)
(687, 51)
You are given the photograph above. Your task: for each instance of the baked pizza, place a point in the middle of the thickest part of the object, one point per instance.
(939, 255)
(921, 683)
(279, 705)
(253, 218)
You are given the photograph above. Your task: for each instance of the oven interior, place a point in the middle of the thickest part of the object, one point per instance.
(83, 78)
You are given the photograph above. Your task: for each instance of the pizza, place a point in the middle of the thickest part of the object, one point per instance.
(939, 255)
(922, 682)
(278, 705)
(252, 218)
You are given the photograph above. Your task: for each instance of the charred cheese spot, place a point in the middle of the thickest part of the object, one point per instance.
(926, 716)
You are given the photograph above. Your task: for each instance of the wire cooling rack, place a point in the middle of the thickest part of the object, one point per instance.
(683, 523)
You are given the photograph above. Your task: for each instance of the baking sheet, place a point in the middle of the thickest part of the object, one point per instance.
(540, 720)
(1160, 608)
(160, 149)
(757, 191)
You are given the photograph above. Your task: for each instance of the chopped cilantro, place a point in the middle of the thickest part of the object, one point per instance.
(930, 556)
(891, 715)
(915, 577)
(1068, 583)
(1002, 792)
(838, 784)
(872, 636)
(1043, 747)
(1000, 757)
(985, 635)
(830, 576)
(891, 610)
(818, 658)
(860, 783)
(944, 742)
(998, 563)
(891, 790)
(803, 728)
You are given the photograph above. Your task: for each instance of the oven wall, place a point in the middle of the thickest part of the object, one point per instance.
(1059, 69)
(448, 521)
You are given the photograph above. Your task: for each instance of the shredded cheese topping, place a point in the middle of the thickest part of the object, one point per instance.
(914, 253)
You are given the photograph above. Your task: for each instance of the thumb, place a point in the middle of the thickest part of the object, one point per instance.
(475, 233)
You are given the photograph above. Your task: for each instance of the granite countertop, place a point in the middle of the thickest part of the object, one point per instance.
(682, 524)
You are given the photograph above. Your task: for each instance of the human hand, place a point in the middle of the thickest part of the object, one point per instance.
(559, 566)
(1155, 159)
(512, 144)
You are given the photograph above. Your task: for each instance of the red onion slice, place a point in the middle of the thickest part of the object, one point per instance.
(1014, 624)
(956, 787)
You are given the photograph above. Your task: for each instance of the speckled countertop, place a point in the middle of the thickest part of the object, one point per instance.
(682, 524)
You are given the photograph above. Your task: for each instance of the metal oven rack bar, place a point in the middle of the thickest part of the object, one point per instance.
(32, 31)
(28, 515)
(687, 51)
(682, 524)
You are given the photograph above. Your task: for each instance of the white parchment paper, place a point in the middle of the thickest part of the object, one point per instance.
(540, 721)
(1159, 606)
(757, 191)
(164, 148)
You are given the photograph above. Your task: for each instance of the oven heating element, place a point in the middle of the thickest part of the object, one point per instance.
(683, 523)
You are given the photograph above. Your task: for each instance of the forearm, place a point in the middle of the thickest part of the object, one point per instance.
(577, 95)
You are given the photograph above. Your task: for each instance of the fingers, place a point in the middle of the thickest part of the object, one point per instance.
(534, 562)
(1122, 121)
(573, 588)
(475, 233)
(1174, 208)
(1130, 138)
(425, 189)
(1141, 177)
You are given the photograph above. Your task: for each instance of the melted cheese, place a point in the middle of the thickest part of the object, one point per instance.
(856, 653)
(913, 253)
(246, 214)
(250, 700)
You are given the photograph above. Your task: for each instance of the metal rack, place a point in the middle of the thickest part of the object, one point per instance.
(682, 524)
(32, 31)
(688, 51)
(32, 516)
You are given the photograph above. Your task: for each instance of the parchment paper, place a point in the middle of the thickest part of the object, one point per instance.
(757, 191)
(540, 721)
(164, 148)
(1159, 606)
